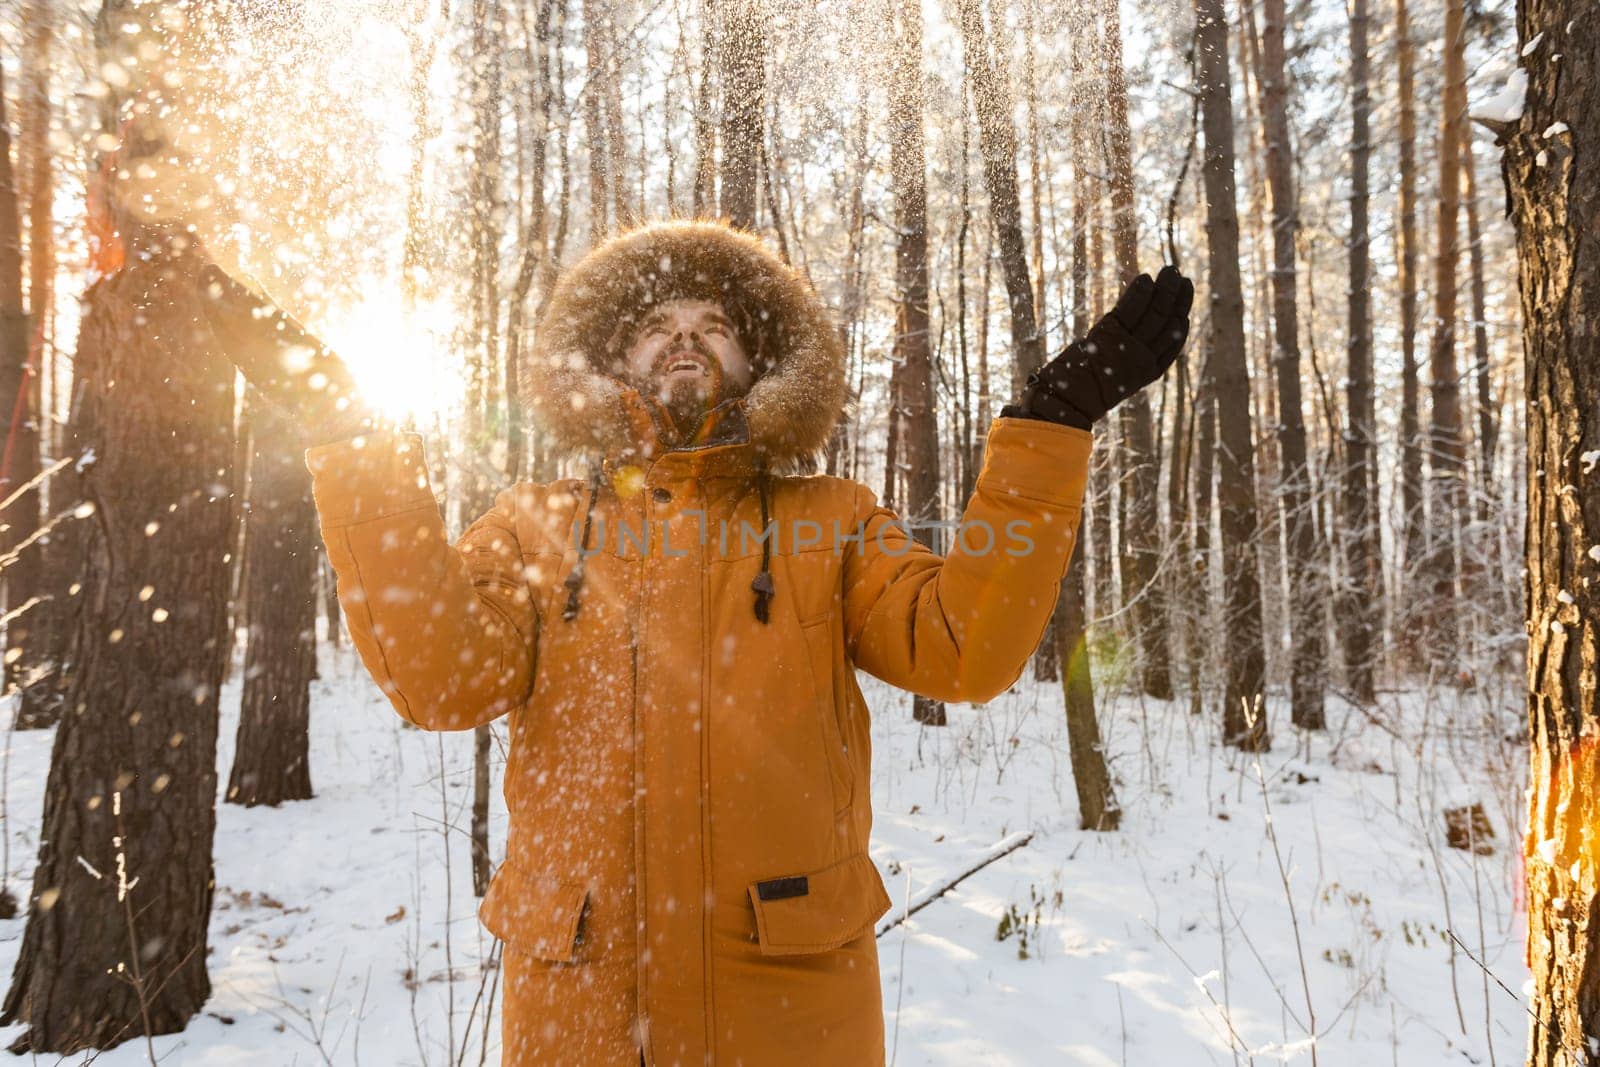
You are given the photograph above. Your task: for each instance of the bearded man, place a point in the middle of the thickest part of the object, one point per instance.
(675, 639)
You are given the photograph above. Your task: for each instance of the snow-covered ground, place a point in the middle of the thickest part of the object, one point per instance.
(345, 928)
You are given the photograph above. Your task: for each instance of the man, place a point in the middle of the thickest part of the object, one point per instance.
(675, 639)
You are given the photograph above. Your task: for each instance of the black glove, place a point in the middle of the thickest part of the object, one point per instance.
(1125, 351)
(282, 360)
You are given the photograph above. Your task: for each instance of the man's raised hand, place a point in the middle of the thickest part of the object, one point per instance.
(282, 360)
(1130, 347)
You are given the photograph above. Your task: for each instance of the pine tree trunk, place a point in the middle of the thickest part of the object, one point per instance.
(271, 759)
(490, 394)
(1446, 452)
(1201, 650)
(32, 635)
(985, 379)
(14, 370)
(743, 50)
(1085, 190)
(1097, 803)
(36, 110)
(594, 128)
(1047, 660)
(535, 252)
(1036, 162)
(705, 130)
(1359, 603)
(1412, 517)
(415, 246)
(50, 575)
(1488, 415)
(238, 541)
(330, 601)
(48, 631)
(1554, 188)
(1141, 527)
(1486, 596)
(913, 360)
(966, 445)
(1097, 799)
(131, 792)
(623, 212)
(843, 443)
(1243, 715)
(1307, 590)
(20, 434)
(997, 139)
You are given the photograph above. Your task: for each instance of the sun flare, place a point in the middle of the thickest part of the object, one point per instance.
(400, 359)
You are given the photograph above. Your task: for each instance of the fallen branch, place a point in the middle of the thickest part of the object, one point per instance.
(927, 896)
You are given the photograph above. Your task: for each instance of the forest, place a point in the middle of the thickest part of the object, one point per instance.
(1283, 750)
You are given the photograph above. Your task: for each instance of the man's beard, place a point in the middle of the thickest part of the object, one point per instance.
(687, 401)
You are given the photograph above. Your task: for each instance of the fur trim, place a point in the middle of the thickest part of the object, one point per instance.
(798, 360)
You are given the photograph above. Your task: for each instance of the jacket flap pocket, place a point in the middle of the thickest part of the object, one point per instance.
(819, 911)
(535, 914)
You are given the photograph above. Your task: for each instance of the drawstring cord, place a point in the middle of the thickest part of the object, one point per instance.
(762, 586)
(575, 578)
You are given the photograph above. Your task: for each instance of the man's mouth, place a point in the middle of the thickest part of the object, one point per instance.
(682, 361)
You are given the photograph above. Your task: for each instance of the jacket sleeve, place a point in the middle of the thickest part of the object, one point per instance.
(961, 627)
(446, 631)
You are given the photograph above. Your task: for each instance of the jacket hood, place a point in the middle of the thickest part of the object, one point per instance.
(568, 378)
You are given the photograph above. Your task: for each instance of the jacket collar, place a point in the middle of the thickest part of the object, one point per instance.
(721, 447)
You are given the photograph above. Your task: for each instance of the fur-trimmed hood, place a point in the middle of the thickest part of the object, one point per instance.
(798, 360)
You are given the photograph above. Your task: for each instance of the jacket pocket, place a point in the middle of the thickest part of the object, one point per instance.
(803, 913)
(537, 915)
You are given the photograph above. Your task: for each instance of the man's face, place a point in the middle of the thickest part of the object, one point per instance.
(686, 354)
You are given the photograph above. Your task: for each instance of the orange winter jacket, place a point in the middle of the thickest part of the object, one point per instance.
(687, 876)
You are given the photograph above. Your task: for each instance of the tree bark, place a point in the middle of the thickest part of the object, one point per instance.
(535, 252)
(1243, 715)
(1413, 546)
(1487, 411)
(1307, 590)
(1047, 660)
(33, 637)
(491, 397)
(1097, 799)
(271, 759)
(1359, 604)
(997, 139)
(966, 444)
(985, 379)
(330, 602)
(28, 586)
(914, 404)
(1201, 651)
(743, 51)
(131, 792)
(705, 130)
(1446, 453)
(1141, 539)
(14, 370)
(594, 126)
(51, 572)
(414, 249)
(1554, 190)
(624, 213)
(1097, 802)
